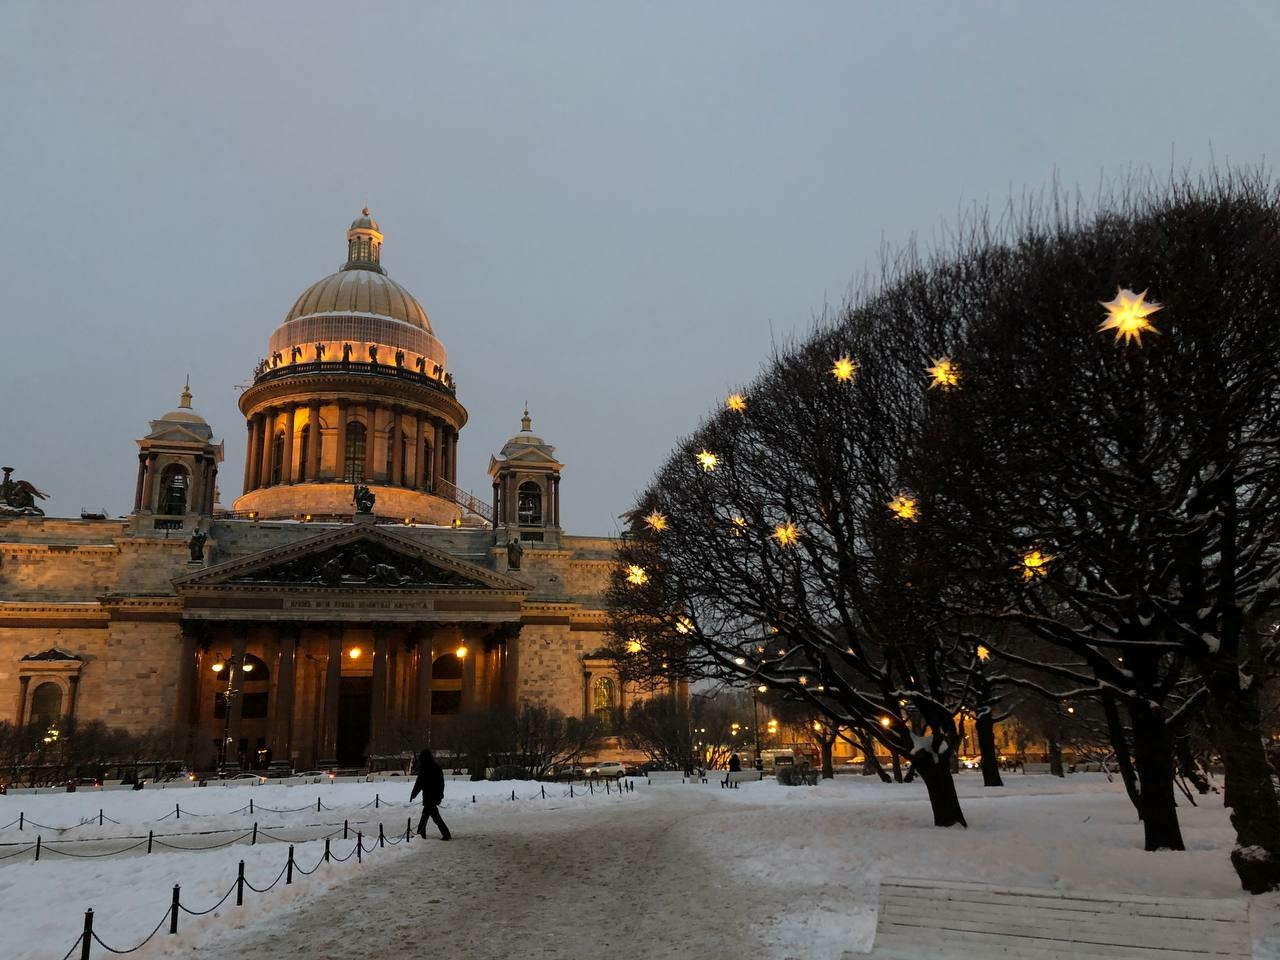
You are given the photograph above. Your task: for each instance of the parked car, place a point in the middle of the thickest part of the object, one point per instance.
(607, 770)
(243, 777)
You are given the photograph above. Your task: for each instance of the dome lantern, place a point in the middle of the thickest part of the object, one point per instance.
(364, 244)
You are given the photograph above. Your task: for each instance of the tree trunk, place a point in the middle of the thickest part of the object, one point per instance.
(1120, 743)
(937, 778)
(1153, 760)
(1187, 764)
(897, 769)
(1055, 756)
(1255, 814)
(828, 769)
(870, 764)
(990, 759)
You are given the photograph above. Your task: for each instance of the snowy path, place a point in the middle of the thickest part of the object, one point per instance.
(603, 879)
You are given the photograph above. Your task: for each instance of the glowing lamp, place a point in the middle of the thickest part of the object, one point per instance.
(707, 460)
(905, 507)
(944, 374)
(684, 625)
(762, 689)
(1127, 315)
(817, 725)
(461, 652)
(804, 681)
(740, 661)
(736, 402)
(217, 667)
(787, 534)
(844, 369)
(983, 653)
(247, 668)
(634, 646)
(656, 521)
(886, 721)
(636, 575)
(354, 653)
(1033, 565)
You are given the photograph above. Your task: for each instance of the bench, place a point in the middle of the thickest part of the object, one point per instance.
(734, 777)
(944, 920)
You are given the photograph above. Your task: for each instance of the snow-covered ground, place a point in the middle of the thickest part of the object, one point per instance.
(668, 870)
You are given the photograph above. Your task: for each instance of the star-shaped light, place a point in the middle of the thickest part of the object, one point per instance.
(787, 534)
(656, 521)
(1127, 315)
(707, 460)
(736, 402)
(739, 526)
(1033, 565)
(636, 575)
(983, 653)
(945, 374)
(843, 369)
(634, 646)
(684, 625)
(905, 507)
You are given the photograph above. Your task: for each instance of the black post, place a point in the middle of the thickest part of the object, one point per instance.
(86, 938)
(513, 796)
(377, 801)
(254, 841)
(408, 829)
(173, 917)
(382, 838)
(240, 886)
(570, 789)
(326, 849)
(177, 812)
(251, 806)
(359, 847)
(37, 848)
(345, 823)
(288, 868)
(21, 817)
(151, 835)
(544, 792)
(317, 804)
(99, 816)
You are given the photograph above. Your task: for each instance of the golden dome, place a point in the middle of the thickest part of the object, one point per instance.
(359, 292)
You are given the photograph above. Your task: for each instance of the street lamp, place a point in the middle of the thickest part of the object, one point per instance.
(755, 716)
(228, 698)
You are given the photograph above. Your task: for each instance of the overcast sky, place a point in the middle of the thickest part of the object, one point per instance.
(609, 211)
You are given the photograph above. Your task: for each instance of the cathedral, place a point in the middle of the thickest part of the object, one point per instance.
(351, 595)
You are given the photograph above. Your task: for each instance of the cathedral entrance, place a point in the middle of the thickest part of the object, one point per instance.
(355, 699)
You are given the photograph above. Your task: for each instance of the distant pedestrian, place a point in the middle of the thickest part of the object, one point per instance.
(430, 784)
(735, 765)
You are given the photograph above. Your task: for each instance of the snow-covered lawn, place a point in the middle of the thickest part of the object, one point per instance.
(669, 870)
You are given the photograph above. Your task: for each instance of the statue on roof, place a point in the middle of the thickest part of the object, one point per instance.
(363, 498)
(18, 497)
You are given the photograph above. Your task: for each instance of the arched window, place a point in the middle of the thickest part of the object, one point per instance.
(604, 702)
(446, 685)
(46, 704)
(173, 490)
(250, 686)
(353, 470)
(277, 456)
(304, 444)
(529, 504)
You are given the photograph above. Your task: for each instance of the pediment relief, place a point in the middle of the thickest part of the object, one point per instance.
(176, 435)
(352, 558)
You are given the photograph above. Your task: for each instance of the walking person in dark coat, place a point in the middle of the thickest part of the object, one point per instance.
(430, 784)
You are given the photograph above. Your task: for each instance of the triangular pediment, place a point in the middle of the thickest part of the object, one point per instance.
(354, 557)
(172, 433)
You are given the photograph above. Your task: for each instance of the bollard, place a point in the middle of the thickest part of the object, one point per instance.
(317, 804)
(344, 829)
(173, 917)
(513, 796)
(254, 841)
(151, 835)
(326, 849)
(288, 868)
(37, 848)
(408, 829)
(592, 787)
(544, 792)
(21, 817)
(382, 838)
(606, 786)
(473, 798)
(570, 790)
(377, 801)
(251, 806)
(177, 812)
(359, 847)
(99, 816)
(86, 938)
(240, 886)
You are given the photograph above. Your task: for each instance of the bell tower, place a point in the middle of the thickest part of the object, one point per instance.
(526, 488)
(177, 468)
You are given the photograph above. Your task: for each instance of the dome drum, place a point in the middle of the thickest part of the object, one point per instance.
(334, 332)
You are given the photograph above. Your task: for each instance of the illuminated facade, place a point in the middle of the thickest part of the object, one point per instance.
(336, 634)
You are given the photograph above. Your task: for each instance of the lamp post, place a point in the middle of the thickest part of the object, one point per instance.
(229, 665)
(755, 717)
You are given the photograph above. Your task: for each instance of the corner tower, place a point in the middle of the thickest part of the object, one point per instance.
(526, 488)
(177, 468)
(354, 389)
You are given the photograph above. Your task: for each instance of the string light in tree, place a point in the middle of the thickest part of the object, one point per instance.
(636, 575)
(739, 526)
(684, 625)
(634, 645)
(844, 369)
(655, 521)
(707, 460)
(736, 402)
(1033, 565)
(787, 534)
(983, 653)
(1127, 315)
(944, 374)
(905, 507)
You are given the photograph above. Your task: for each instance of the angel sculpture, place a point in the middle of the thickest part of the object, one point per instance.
(19, 496)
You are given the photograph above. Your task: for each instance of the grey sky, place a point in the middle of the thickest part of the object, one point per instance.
(607, 210)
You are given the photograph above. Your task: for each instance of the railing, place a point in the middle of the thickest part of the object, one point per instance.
(467, 501)
(444, 384)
